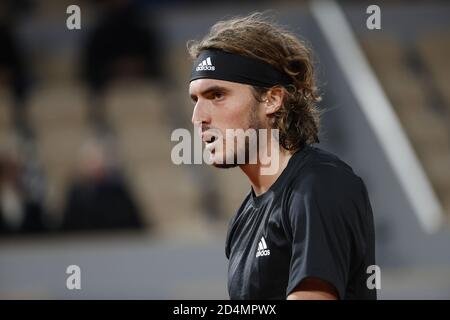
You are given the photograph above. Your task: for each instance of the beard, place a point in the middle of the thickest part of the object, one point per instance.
(253, 123)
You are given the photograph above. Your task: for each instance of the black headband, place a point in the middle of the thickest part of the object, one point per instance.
(220, 65)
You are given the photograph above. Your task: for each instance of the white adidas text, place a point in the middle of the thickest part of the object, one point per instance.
(262, 248)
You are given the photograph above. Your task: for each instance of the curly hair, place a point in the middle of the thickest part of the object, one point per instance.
(257, 37)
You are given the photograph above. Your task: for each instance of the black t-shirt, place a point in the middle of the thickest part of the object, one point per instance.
(314, 221)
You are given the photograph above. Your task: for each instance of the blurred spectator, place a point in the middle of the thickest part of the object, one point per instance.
(99, 197)
(124, 43)
(22, 187)
(14, 73)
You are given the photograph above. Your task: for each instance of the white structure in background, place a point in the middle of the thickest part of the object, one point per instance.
(379, 113)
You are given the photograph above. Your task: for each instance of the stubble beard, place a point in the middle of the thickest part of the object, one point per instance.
(254, 124)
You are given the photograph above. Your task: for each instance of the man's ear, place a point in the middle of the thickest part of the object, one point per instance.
(273, 100)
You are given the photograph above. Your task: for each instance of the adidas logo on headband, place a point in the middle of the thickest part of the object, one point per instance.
(237, 68)
(205, 65)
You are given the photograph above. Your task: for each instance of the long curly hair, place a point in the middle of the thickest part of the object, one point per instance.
(258, 37)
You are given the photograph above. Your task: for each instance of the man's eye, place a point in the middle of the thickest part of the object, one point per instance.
(218, 95)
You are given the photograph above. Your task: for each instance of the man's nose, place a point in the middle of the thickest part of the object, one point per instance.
(200, 114)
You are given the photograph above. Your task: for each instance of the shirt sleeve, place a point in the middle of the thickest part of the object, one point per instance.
(322, 211)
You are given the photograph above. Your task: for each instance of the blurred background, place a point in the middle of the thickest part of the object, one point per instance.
(86, 116)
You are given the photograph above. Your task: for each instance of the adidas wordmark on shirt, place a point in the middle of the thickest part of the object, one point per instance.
(262, 248)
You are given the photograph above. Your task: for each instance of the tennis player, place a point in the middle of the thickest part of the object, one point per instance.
(306, 231)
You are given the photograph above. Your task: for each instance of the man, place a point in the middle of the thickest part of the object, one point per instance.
(306, 230)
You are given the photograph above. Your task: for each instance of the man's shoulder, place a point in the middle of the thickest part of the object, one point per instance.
(320, 168)
(326, 186)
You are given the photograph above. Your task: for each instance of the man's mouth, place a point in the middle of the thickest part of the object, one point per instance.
(210, 144)
(211, 140)
(209, 136)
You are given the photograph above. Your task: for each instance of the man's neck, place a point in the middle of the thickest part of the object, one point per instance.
(260, 182)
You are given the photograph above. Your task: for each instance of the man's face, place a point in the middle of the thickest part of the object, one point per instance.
(222, 105)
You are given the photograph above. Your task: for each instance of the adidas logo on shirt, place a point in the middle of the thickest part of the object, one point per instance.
(205, 65)
(262, 248)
